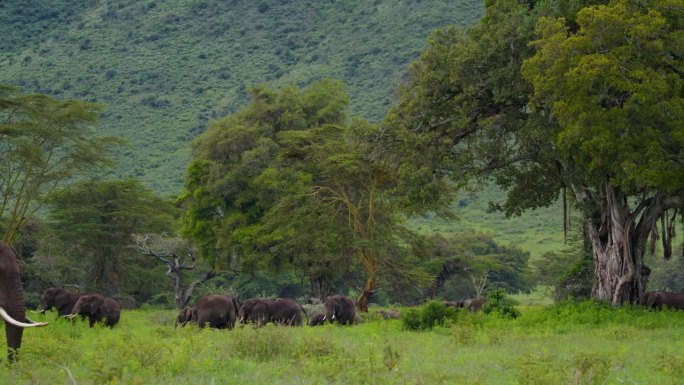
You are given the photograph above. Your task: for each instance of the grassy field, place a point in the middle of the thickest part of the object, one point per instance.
(582, 343)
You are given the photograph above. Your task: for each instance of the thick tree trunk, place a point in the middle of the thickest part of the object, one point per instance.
(618, 238)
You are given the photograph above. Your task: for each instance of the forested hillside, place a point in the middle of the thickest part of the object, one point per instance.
(163, 69)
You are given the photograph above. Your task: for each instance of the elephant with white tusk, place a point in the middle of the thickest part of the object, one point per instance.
(12, 308)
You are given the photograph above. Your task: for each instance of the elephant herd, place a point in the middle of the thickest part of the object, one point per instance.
(224, 312)
(215, 311)
(95, 307)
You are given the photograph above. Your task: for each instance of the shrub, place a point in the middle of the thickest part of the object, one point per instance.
(498, 302)
(431, 314)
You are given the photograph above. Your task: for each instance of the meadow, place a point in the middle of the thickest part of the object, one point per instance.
(571, 343)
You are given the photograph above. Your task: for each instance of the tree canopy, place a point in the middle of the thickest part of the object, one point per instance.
(594, 106)
(289, 182)
(44, 143)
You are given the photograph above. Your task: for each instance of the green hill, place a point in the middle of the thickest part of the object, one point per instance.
(165, 68)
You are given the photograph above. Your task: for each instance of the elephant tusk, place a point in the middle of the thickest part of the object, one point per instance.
(14, 322)
(333, 317)
(70, 316)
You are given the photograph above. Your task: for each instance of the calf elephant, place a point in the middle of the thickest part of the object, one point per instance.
(218, 311)
(260, 311)
(658, 299)
(473, 304)
(61, 299)
(98, 309)
(340, 309)
(317, 319)
(12, 307)
(184, 316)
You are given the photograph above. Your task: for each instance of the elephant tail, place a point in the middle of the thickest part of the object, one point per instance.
(304, 312)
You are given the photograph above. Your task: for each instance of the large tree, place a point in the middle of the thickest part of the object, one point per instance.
(287, 182)
(44, 143)
(605, 122)
(614, 90)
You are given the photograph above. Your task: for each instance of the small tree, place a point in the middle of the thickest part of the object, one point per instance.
(178, 256)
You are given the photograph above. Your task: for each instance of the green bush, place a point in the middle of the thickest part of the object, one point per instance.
(431, 314)
(498, 302)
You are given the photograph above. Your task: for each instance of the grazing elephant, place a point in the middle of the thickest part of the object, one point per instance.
(474, 304)
(256, 311)
(60, 299)
(261, 311)
(12, 307)
(453, 304)
(287, 312)
(389, 314)
(98, 309)
(184, 316)
(317, 319)
(340, 309)
(219, 311)
(658, 299)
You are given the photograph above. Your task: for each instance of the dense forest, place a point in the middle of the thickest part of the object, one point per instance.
(272, 157)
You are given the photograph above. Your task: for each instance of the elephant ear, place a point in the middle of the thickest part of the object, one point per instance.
(96, 305)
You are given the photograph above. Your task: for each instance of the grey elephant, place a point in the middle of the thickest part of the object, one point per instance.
(184, 316)
(282, 311)
(317, 319)
(474, 304)
(12, 307)
(340, 309)
(98, 309)
(658, 299)
(216, 311)
(61, 299)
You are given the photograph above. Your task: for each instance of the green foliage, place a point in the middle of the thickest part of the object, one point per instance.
(615, 93)
(577, 281)
(499, 303)
(427, 316)
(564, 344)
(467, 263)
(44, 144)
(93, 222)
(165, 69)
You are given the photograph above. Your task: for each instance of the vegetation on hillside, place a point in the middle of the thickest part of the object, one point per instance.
(164, 69)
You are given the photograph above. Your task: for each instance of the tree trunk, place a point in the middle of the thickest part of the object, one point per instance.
(618, 238)
(372, 269)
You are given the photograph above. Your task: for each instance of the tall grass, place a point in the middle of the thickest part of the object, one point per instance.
(573, 343)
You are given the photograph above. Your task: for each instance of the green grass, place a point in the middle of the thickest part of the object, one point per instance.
(564, 345)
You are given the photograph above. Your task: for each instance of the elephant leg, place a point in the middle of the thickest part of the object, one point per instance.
(13, 334)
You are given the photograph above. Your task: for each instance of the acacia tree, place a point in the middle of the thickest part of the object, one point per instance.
(613, 140)
(44, 143)
(287, 183)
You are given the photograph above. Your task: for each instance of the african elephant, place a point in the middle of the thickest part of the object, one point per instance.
(340, 309)
(658, 299)
(184, 316)
(98, 309)
(317, 319)
(219, 311)
(474, 304)
(12, 307)
(256, 311)
(62, 300)
(282, 311)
